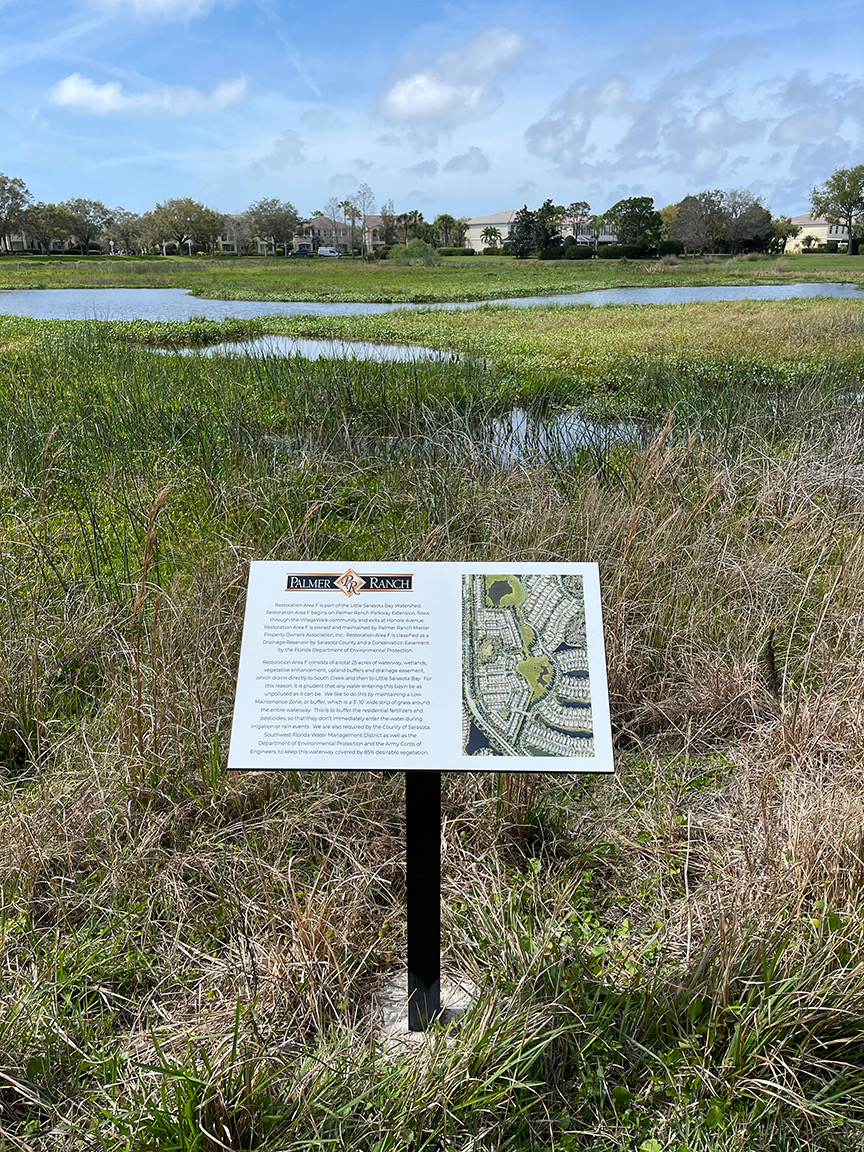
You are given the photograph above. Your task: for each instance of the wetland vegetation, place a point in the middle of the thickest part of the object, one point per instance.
(666, 959)
(456, 278)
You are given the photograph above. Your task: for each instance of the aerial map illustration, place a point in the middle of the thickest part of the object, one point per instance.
(525, 684)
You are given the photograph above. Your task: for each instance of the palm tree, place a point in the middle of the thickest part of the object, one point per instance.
(491, 235)
(351, 213)
(444, 224)
(415, 219)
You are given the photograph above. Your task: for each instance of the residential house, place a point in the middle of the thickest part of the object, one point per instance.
(580, 229)
(21, 242)
(503, 221)
(821, 231)
(323, 230)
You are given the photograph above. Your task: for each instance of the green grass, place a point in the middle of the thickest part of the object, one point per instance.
(625, 357)
(669, 958)
(457, 278)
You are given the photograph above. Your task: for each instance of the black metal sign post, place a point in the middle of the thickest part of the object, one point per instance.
(423, 896)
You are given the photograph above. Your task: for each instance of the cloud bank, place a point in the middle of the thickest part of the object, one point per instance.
(695, 125)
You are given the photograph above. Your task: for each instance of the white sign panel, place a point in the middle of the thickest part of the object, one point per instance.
(437, 666)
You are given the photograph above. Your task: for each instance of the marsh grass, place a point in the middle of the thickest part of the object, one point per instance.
(190, 959)
(457, 278)
(614, 358)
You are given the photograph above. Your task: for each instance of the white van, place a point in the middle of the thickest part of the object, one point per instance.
(329, 252)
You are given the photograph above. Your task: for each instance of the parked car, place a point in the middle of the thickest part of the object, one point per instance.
(301, 252)
(329, 252)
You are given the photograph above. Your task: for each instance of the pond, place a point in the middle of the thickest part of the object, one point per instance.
(177, 304)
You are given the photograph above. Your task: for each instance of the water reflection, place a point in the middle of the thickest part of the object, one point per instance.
(521, 437)
(284, 346)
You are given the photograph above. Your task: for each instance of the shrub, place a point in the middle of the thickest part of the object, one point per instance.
(417, 252)
(621, 252)
(491, 252)
(857, 241)
(578, 252)
(506, 248)
(456, 252)
(556, 253)
(831, 246)
(670, 248)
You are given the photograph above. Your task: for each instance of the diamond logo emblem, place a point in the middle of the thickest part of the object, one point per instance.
(350, 583)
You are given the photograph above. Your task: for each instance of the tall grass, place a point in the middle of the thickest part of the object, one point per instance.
(190, 960)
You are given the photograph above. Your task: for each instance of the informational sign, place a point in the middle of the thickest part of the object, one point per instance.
(436, 666)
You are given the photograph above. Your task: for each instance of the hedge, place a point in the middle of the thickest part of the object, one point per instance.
(578, 252)
(456, 252)
(621, 252)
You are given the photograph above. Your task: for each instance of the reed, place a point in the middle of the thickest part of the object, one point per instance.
(668, 958)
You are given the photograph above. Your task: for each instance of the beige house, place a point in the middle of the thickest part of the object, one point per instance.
(821, 231)
(580, 230)
(503, 221)
(22, 242)
(322, 231)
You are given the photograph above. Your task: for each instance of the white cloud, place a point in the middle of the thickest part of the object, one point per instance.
(156, 9)
(82, 95)
(474, 161)
(460, 85)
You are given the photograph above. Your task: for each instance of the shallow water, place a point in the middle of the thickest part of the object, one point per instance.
(279, 346)
(177, 304)
(522, 438)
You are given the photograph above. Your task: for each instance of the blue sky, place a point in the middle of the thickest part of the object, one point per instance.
(466, 108)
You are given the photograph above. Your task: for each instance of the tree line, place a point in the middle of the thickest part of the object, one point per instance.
(709, 221)
(186, 225)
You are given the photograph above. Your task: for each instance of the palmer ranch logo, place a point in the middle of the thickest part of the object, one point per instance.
(350, 583)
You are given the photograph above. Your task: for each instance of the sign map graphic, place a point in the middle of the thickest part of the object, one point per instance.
(525, 676)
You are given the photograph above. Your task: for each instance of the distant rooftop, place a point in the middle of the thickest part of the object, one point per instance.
(808, 219)
(506, 217)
